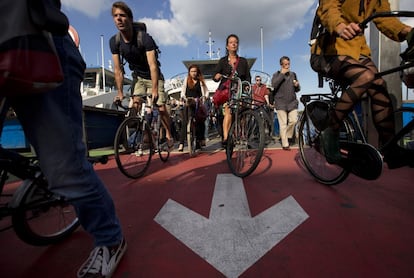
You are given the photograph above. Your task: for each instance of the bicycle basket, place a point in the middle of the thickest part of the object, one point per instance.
(407, 76)
(318, 112)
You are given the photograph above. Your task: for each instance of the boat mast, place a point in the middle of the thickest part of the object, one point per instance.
(261, 43)
(210, 43)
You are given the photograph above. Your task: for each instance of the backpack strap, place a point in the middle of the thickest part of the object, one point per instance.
(122, 61)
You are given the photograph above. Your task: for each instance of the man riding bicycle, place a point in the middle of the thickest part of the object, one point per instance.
(142, 60)
(342, 53)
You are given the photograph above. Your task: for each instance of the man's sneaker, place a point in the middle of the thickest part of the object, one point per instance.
(330, 142)
(102, 261)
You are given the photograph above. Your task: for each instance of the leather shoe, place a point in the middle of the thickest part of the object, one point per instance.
(286, 148)
(330, 142)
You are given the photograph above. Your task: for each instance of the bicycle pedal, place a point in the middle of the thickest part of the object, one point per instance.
(363, 160)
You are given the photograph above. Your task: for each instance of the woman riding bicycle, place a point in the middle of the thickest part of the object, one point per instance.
(194, 87)
(227, 65)
(342, 53)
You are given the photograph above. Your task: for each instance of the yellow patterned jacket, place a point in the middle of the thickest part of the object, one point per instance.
(334, 12)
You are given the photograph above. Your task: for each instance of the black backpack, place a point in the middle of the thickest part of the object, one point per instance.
(140, 27)
(317, 29)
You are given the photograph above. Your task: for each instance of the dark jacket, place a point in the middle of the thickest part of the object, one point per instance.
(284, 91)
(242, 70)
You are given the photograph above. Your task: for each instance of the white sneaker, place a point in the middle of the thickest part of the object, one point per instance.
(102, 261)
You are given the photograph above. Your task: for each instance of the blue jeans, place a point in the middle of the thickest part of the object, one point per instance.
(53, 124)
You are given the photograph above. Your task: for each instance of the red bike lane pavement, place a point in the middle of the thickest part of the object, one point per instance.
(189, 217)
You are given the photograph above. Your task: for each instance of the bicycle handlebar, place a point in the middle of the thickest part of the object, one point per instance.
(118, 103)
(365, 22)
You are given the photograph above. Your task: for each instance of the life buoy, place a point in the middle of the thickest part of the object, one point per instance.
(74, 35)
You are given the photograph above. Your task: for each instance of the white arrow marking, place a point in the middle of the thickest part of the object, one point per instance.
(231, 240)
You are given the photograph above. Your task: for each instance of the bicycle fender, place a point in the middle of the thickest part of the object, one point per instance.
(19, 193)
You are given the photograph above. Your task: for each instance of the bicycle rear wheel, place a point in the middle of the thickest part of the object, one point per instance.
(312, 155)
(133, 147)
(162, 145)
(41, 217)
(245, 143)
(191, 136)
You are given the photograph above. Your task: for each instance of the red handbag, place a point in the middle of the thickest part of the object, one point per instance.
(29, 64)
(222, 93)
(28, 59)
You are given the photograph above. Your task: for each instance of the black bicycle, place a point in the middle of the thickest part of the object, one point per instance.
(358, 157)
(246, 139)
(38, 216)
(192, 106)
(138, 137)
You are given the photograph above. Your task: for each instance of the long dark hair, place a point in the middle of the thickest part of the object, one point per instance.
(200, 76)
(227, 41)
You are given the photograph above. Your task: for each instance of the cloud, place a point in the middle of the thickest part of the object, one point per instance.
(195, 18)
(91, 8)
(166, 32)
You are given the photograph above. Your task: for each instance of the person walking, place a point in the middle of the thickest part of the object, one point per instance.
(142, 57)
(53, 124)
(226, 65)
(286, 85)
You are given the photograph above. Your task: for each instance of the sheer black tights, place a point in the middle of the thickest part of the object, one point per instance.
(359, 77)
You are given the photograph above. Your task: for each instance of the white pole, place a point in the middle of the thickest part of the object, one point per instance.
(261, 43)
(103, 65)
(210, 43)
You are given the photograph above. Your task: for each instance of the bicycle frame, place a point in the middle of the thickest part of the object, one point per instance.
(145, 113)
(137, 139)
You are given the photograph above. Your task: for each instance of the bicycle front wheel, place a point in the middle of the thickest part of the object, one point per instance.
(41, 217)
(312, 155)
(162, 145)
(191, 136)
(245, 143)
(133, 147)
